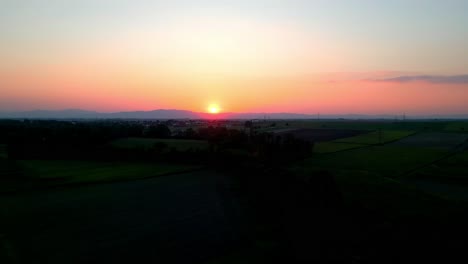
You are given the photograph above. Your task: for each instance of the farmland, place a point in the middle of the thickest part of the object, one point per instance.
(387, 161)
(88, 171)
(433, 140)
(146, 219)
(330, 147)
(41, 173)
(397, 184)
(447, 177)
(319, 135)
(377, 137)
(3, 151)
(362, 140)
(147, 143)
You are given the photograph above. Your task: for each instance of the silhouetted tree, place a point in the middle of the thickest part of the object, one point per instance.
(158, 131)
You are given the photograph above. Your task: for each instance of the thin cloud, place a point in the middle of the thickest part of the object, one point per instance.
(439, 79)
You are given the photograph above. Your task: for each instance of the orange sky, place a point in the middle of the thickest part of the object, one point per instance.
(244, 57)
(336, 93)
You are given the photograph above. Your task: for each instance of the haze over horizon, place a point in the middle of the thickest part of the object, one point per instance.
(332, 57)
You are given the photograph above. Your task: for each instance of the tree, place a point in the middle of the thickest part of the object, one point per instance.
(158, 131)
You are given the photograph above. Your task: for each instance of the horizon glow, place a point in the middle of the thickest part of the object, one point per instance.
(332, 57)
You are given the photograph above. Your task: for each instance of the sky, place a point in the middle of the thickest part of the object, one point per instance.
(332, 57)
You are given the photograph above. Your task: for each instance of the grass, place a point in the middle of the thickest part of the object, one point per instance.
(388, 161)
(389, 197)
(66, 172)
(329, 147)
(368, 177)
(147, 143)
(120, 222)
(373, 138)
(457, 127)
(3, 152)
(368, 124)
(367, 139)
(451, 170)
(11, 177)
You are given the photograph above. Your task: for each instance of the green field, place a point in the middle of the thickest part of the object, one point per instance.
(11, 176)
(370, 177)
(368, 139)
(27, 174)
(147, 143)
(89, 171)
(3, 151)
(369, 124)
(388, 161)
(330, 147)
(453, 170)
(457, 127)
(377, 137)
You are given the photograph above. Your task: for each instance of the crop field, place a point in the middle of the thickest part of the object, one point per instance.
(330, 147)
(364, 177)
(447, 177)
(422, 125)
(147, 143)
(377, 137)
(3, 151)
(388, 161)
(65, 171)
(359, 141)
(433, 140)
(461, 126)
(185, 218)
(11, 176)
(318, 135)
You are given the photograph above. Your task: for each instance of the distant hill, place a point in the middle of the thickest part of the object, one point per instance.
(83, 114)
(185, 114)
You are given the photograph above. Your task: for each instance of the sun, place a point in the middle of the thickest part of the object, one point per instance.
(213, 109)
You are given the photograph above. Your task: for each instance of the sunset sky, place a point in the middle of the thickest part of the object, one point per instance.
(333, 57)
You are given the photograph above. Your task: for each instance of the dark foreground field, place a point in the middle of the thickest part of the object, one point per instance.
(305, 192)
(184, 218)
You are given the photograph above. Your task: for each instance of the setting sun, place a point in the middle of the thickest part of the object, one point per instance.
(213, 109)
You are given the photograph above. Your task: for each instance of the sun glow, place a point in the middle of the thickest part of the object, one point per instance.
(213, 109)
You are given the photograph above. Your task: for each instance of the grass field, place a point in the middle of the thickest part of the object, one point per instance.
(438, 140)
(370, 124)
(452, 170)
(369, 177)
(330, 147)
(367, 139)
(388, 161)
(65, 172)
(3, 151)
(377, 137)
(11, 177)
(147, 143)
(457, 127)
(179, 218)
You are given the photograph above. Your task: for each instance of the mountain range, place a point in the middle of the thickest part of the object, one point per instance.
(185, 114)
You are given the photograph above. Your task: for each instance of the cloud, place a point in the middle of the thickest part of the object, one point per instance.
(440, 79)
